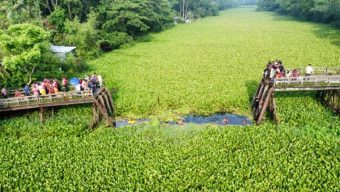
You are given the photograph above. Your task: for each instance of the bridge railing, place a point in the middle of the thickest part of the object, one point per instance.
(44, 99)
(321, 80)
(318, 70)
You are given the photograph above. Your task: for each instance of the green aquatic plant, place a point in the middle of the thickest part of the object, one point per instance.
(211, 65)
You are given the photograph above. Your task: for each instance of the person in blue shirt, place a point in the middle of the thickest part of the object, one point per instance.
(27, 90)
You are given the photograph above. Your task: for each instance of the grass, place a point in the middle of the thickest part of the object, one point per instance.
(208, 66)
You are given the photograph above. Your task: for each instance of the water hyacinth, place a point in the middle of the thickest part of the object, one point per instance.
(209, 66)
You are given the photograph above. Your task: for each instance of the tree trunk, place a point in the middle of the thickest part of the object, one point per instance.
(30, 75)
(54, 4)
(186, 8)
(180, 7)
(183, 8)
(48, 6)
(69, 10)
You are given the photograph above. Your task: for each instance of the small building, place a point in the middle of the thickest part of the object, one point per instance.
(62, 51)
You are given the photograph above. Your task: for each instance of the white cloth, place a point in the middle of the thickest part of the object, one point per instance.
(309, 70)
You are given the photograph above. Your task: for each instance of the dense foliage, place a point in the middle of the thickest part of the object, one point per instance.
(211, 65)
(62, 157)
(25, 49)
(200, 8)
(325, 11)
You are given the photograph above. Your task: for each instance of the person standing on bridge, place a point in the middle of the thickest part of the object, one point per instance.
(295, 74)
(4, 93)
(65, 84)
(309, 70)
(266, 72)
(100, 80)
(17, 93)
(27, 90)
(55, 84)
(35, 90)
(42, 89)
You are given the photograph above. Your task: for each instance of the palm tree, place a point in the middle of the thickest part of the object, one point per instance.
(15, 10)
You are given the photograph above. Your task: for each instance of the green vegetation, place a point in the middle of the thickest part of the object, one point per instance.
(324, 11)
(210, 65)
(25, 51)
(162, 158)
(92, 26)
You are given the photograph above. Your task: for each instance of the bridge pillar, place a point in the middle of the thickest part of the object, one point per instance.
(272, 108)
(103, 107)
(331, 98)
(264, 101)
(41, 114)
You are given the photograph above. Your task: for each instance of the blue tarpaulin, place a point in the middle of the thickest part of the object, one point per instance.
(74, 81)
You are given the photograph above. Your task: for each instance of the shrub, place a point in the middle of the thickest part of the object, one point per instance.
(113, 41)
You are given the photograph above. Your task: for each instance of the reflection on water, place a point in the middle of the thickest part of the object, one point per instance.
(223, 119)
(219, 119)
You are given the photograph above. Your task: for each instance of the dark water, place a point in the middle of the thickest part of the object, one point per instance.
(219, 119)
(223, 119)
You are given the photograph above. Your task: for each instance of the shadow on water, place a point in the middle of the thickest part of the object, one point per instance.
(328, 33)
(321, 30)
(251, 89)
(296, 94)
(144, 38)
(223, 119)
(218, 119)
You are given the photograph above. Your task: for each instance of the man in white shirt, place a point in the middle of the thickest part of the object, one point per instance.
(309, 70)
(100, 80)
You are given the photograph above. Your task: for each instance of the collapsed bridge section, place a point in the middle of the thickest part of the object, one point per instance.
(324, 80)
(101, 99)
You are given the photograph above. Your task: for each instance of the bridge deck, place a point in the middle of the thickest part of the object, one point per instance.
(50, 100)
(307, 83)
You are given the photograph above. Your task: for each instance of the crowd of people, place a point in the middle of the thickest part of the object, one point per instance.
(52, 86)
(275, 70)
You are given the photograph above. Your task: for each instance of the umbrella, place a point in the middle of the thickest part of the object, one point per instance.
(74, 81)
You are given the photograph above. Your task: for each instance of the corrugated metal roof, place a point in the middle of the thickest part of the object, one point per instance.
(62, 49)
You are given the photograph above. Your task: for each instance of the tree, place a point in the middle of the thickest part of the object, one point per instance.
(25, 49)
(124, 16)
(15, 10)
(3, 74)
(83, 35)
(325, 11)
(201, 8)
(19, 11)
(55, 22)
